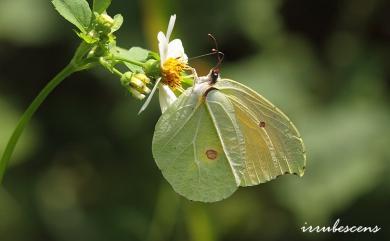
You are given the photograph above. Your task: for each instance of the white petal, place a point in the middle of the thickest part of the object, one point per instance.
(166, 96)
(176, 50)
(170, 26)
(161, 37)
(162, 46)
(150, 96)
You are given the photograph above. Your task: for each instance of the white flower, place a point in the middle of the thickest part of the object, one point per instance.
(172, 55)
(173, 49)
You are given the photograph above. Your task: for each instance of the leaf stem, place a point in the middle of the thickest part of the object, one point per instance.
(75, 65)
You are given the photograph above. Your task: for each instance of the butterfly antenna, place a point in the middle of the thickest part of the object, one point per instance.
(203, 55)
(215, 50)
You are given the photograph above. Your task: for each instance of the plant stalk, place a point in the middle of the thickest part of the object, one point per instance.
(76, 64)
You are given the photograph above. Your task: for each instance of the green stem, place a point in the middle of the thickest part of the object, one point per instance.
(68, 70)
(78, 63)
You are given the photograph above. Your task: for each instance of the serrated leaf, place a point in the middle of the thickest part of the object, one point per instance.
(76, 12)
(101, 5)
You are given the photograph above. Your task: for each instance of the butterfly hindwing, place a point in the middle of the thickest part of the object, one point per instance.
(273, 144)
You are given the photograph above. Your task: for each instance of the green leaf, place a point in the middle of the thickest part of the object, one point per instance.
(154, 55)
(87, 38)
(134, 68)
(75, 11)
(135, 54)
(101, 5)
(118, 21)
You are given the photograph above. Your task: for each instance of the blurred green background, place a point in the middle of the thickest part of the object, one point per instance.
(84, 168)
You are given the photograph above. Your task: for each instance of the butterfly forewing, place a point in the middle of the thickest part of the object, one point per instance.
(273, 145)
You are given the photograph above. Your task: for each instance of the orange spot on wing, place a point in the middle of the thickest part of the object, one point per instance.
(212, 154)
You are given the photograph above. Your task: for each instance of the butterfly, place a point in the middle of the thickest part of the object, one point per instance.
(220, 135)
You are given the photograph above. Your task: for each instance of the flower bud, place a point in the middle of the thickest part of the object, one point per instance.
(133, 82)
(143, 78)
(136, 94)
(136, 83)
(146, 90)
(104, 23)
(105, 20)
(126, 77)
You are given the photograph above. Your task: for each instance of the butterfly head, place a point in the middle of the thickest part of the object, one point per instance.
(215, 72)
(213, 76)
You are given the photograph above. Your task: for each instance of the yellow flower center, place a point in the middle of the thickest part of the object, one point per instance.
(171, 72)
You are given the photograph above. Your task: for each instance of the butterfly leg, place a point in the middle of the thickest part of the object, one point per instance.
(194, 75)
